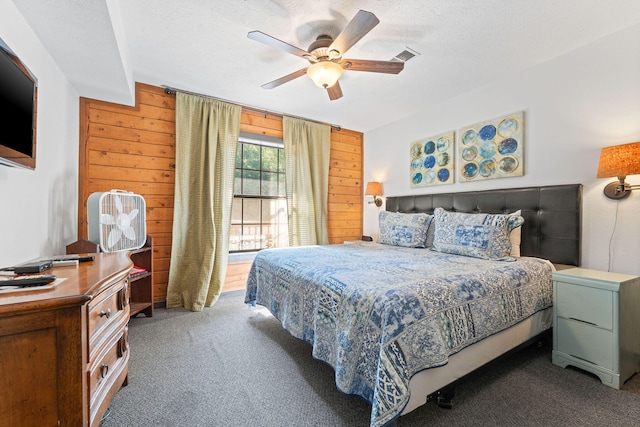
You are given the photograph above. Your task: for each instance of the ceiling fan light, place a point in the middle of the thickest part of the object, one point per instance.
(324, 74)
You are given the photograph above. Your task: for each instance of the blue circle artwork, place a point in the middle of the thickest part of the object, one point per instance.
(508, 146)
(429, 162)
(487, 133)
(429, 147)
(469, 137)
(487, 167)
(443, 159)
(491, 149)
(508, 127)
(508, 164)
(469, 170)
(469, 153)
(416, 150)
(488, 150)
(429, 156)
(430, 176)
(443, 144)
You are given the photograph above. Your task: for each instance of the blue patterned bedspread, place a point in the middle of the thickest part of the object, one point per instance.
(378, 314)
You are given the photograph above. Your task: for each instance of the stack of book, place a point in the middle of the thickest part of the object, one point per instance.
(135, 271)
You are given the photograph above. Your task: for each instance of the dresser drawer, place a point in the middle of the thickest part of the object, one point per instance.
(586, 342)
(106, 312)
(584, 303)
(109, 368)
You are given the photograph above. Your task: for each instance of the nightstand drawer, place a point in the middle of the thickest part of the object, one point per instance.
(584, 303)
(586, 342)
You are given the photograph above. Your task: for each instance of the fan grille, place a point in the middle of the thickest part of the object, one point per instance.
(117, 221)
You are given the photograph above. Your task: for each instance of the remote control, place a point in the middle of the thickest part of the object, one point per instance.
(27, 280)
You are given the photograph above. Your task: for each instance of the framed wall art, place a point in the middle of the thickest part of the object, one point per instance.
(492, 149)
(432, 160)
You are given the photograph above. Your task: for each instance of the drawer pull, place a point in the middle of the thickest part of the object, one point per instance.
(104, 371)
(106, 314)
(123, 343)
(124, 295)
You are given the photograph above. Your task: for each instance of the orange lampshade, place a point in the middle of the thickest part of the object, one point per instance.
(619, 160)
(373, 189)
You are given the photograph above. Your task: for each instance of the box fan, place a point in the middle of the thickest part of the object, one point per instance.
(117, 220)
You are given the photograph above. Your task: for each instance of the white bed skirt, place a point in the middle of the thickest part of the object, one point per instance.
(429, 381)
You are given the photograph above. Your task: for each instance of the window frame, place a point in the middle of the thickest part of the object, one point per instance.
(260, 141)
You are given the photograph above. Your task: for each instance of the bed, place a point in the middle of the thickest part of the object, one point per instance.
(400, 321)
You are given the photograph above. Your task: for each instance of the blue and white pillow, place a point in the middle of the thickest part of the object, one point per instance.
(404, 229)
(476, 235)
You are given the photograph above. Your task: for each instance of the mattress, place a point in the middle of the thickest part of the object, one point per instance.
(381, 314)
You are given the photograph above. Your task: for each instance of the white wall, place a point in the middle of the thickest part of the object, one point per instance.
(574, 105)
(38, 209)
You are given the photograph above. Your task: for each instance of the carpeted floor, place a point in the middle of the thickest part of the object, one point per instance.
(233, 365)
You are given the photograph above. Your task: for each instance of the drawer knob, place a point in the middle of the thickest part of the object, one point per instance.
(106, 314)
(104, 371)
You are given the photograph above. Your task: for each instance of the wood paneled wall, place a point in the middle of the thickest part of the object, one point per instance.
(133, 149)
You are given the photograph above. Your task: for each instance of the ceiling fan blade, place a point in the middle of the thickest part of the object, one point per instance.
(285, 79)
(357, 28)
(261, 37)
(334, 91)
(389, 67)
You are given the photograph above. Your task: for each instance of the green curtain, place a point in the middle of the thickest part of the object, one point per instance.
(207, 133)
(306, 157)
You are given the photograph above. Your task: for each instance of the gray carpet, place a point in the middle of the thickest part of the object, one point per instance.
(232, 365)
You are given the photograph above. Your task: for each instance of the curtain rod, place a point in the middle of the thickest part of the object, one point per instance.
(171, 91)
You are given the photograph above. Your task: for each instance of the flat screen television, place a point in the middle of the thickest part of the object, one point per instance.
(18, 106)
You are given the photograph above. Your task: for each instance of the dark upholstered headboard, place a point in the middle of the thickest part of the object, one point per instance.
(553, 215)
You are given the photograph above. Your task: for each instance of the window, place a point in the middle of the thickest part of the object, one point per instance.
(259, 212)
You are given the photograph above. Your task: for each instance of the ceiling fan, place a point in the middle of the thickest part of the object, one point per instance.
(326, 55)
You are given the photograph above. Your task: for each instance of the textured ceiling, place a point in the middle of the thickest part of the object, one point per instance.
(104, 46)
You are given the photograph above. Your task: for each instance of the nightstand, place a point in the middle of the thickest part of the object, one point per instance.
(596, 322)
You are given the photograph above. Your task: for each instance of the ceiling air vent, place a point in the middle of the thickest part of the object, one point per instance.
(405, 55)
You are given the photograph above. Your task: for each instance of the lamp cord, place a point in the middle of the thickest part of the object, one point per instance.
(615, 222)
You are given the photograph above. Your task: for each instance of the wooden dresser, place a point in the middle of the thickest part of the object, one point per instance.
(63, 349)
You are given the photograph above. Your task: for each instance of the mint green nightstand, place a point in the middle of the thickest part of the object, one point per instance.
(596, 323)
